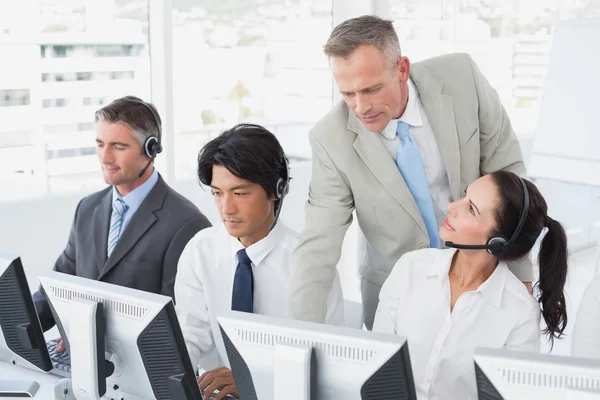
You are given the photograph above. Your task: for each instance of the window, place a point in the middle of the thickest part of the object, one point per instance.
(116, 50)
(122, 75)
(84, 76)
(510, 41)
(246, 62)
(93, 101)
(14, 97)
(54, 76)
(54, 103)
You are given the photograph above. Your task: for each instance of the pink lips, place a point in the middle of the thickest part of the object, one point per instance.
(447, 225)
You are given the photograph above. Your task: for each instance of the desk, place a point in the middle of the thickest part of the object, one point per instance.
(46, 381)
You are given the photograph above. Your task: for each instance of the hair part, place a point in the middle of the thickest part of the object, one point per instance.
(360, 31)
(249, 152)
(129, 111)
(553, 255)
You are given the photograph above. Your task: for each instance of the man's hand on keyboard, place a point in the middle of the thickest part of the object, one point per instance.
(60, 346)
(218, 379)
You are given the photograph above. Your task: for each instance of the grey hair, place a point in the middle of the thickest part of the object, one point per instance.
(129, 111)
(365, 30)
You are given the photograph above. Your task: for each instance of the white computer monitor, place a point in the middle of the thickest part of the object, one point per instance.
(142, 340)
(341, 363)
(506, 375)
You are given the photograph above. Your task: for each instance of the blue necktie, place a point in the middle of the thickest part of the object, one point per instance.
(242, 296)
(116, 221)
(411, 167)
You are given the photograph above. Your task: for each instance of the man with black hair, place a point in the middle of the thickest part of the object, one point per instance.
(244, 265)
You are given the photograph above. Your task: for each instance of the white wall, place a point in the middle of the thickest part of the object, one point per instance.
(38, 229)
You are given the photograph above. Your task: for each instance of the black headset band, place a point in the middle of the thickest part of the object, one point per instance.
(522, 215)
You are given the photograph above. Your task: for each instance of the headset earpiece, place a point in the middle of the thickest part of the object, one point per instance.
(282, 189)
(496, 245)
(152, 146)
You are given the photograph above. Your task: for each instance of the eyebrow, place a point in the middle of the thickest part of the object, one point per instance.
(242, 186)
(113, 143)
(372, 87)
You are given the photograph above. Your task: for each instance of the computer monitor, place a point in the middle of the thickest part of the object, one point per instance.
(22, 340)
(143, 339)
(506, 375)
(346, 364)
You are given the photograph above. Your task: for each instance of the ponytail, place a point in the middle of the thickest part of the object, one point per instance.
(552, 260)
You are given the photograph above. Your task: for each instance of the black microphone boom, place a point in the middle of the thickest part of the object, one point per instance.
(142, 172)
(468, 246)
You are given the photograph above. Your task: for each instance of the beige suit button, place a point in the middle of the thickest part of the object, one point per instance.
(423, 246)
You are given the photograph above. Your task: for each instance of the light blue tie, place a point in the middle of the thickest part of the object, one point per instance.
(116, 221)
(411, 167)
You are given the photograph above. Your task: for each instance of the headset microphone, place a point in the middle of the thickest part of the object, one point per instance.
(496, 245)
(143, 171)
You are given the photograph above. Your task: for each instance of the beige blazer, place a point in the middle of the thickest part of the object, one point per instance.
(352, 170)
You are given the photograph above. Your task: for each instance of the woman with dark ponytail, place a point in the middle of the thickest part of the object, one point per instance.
(448, 302)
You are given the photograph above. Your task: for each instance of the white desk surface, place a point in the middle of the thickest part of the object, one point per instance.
(46, 381)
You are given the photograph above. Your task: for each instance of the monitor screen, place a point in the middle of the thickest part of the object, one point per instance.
(22, 341)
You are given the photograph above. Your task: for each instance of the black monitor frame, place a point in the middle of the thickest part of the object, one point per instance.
(18, 317)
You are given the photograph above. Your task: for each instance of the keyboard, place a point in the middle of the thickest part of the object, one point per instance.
(61, 362)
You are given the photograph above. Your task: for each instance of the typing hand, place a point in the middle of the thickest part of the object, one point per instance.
(218, 379)
(60, 346)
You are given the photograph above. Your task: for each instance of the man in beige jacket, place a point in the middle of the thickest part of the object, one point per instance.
(452, 118)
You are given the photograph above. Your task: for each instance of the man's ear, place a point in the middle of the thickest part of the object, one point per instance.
(403, 68)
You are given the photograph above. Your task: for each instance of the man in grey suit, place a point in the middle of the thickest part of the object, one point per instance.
(441, 108)
(133, 232)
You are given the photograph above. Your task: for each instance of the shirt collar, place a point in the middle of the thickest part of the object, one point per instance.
(258, 251)
(491, 289)
(134, 198)
(411, 115)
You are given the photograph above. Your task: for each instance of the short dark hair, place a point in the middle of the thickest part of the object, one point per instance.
(129, 111)
(553, 255)
(248, 151)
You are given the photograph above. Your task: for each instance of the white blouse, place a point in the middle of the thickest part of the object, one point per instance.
(415, 302)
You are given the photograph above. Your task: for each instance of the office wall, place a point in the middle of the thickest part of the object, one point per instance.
(38, 229)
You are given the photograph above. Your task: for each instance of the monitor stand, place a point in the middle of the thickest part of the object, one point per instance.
(18, 388)
(294, 372)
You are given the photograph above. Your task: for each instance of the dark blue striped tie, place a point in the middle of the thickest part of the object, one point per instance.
(242, 297)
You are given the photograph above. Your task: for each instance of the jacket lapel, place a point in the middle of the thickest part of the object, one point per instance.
(141, 221)
(370, 148)
(440, 112)
(100, 225)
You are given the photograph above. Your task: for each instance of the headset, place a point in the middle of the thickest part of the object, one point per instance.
(496, 245)
(152, 145)
(281, 190)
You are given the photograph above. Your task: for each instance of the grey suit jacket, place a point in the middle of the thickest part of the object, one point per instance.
(148, 250)
(352, 170)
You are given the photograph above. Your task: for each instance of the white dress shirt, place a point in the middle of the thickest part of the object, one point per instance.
(586, 333)
(420, 130)
(415, 302)
(204, 283)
